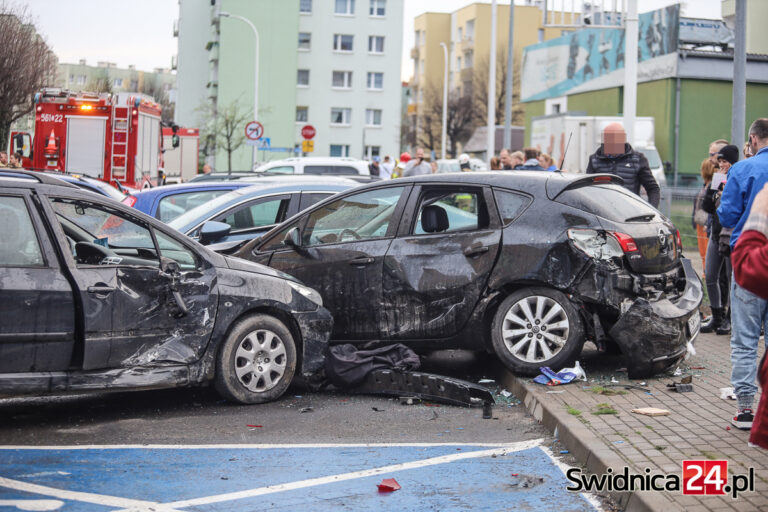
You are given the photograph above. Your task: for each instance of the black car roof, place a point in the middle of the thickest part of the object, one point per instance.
(33, 177)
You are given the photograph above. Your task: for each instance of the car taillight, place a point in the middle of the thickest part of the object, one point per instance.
(129, 200)
(596, 244)
(627, 242)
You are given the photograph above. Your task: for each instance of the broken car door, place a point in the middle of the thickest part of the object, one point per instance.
(437, 268)
(37, 310)
(339, 250)
(147, 298)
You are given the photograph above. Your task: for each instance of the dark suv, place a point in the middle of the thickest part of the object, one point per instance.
(526, 264)
(95, 295)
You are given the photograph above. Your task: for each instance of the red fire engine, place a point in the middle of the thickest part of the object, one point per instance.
(115, 138)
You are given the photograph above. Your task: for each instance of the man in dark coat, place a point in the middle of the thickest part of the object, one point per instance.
(616, 156)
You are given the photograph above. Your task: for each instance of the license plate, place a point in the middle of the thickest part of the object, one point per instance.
(694, 323)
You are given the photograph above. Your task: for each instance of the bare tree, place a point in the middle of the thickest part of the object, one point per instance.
(458, 121)
(101, 82)
(226, 130)
(480, 90)
(155, 88)
(26, 65)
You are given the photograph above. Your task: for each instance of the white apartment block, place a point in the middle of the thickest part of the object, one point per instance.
(348, 76)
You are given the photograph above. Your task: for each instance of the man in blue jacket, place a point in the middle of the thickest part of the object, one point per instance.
(748, 311)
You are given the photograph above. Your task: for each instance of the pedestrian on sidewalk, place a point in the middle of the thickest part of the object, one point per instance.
(750, 271)
(387, 166)
(417, 166)
(531, 162)
(700, 219)
(749, 312)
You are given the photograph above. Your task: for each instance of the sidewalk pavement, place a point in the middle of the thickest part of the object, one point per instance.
(695, 429)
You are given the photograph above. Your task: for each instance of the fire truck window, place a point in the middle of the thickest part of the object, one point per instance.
(103, 236)
(20, 247)
(171, 207)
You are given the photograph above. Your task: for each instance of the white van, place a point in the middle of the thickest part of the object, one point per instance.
(317, 165)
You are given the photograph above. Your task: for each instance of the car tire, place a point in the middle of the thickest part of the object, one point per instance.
(523, 345)
(257, 361)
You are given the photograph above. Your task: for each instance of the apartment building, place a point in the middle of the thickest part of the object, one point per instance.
(78, 77)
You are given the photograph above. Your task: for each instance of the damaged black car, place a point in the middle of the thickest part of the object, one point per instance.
(527, 265)
(95, 296)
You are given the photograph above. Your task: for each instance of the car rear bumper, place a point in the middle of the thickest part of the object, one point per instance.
(653, 335)
(315, 327)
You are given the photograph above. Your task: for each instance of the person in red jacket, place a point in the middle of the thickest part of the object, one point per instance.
(750, 269)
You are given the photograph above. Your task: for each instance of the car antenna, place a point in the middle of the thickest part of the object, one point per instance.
(565, 152)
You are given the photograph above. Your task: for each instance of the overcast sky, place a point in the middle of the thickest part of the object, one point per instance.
(140, 32)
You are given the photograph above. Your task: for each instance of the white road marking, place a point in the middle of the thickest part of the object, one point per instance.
(261, 491)
(33, 504)
(565, 467)
(85, 497)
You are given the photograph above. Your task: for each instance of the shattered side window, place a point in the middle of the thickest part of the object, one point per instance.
(356, 217)
(464, 210)
(510, 205)
(19, 247)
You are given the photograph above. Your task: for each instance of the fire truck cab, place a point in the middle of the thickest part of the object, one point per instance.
(115, 138)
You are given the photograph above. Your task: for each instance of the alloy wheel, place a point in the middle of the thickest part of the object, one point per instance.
(535, 328)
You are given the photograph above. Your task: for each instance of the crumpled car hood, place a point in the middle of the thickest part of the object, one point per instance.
(256, 268)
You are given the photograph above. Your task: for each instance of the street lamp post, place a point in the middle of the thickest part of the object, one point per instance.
(445, 99)
(256, 72)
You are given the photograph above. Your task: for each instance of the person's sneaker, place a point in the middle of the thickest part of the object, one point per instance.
(743, 420)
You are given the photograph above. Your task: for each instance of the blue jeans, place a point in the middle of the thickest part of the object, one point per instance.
(748, 314)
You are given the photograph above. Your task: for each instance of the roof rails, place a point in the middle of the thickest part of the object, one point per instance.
(45, 179)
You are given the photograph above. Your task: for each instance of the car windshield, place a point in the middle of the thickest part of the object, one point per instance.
(654, 160)
(205, 209)
(611, 202)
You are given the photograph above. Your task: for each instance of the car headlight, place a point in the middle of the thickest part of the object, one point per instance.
(307, 292)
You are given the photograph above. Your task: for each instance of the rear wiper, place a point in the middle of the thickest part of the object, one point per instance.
(646, 218)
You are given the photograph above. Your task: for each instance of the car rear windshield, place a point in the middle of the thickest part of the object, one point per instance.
(611, 202)
(108, 189)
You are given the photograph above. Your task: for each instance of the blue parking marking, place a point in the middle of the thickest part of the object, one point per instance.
(317, 477)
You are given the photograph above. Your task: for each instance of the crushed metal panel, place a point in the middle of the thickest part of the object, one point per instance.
(427, 386)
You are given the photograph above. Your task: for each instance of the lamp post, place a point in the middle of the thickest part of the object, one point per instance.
(445, 100)
(224, 14)
(492, 89)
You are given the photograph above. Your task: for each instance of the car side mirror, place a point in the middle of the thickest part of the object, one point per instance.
(169, 266)
(212, 231)
(292, 238)
(175, 141)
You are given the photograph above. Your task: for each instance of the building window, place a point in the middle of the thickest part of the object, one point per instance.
(377, 8)
(342, 80)
(302, 77)
(416, 38)
(71, 79)
(342, 42)
(134, 85)
(346, 7)
(305, 40)
(305, 6)
(341, 116)
(375, 81)
(541, 35)
(468, 59)
(372, 117)
(458, 62)
(460, 34)
(339, 149)
(469, 29)
(117, 82)
(302, 114)
(375, 44)
(81, 80)
(372, 151)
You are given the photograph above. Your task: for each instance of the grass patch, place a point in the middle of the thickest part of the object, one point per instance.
(601, 390)
(660, 448)
(573, 411)
(709, 455)
(650, 427)
(604, 408)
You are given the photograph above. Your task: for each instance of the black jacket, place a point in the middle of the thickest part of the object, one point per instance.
(632, 166)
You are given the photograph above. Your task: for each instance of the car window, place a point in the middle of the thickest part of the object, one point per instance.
(124, 240)
(611, 202)
(283, 169)
(356, 217)
(256, 214)
(446, 210)
(174, 205)
(510, 204)
(19, 246)
(330, 169)
(308, 199)
(170, 248)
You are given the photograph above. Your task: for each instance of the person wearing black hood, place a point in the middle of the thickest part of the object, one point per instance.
(616, 156)
(718, 254)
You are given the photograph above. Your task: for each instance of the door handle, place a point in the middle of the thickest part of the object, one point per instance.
(361, 261)
(475, 250)
(100, 290)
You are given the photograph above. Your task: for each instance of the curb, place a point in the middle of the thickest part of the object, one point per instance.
(585, 447)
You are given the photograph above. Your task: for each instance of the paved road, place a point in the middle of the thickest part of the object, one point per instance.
(190, 449)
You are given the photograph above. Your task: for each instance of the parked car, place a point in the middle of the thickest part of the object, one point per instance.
(316, 165)
(448, 165)
(97, 296)
(169, 201)
(528, 265)
(248, 212)
(91, 184)
(222, 176)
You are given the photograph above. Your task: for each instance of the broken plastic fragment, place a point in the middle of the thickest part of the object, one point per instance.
(388, 485)
(727, 394)
(254, 426)
(564, 376)
(678, 372)
(505, 393)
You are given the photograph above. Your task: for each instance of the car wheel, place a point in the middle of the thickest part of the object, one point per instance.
(536, 327)
(257, 361)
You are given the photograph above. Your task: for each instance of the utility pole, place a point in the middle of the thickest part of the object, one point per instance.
(508, 92)
(630, 70)
(739, 102)
(491, 150)
(444, 130)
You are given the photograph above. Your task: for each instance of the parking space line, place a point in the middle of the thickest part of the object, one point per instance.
(564, 467)
(85, 497)
(261, 491)
(247, 446)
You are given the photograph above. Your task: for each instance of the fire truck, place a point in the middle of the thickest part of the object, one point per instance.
(115, 138)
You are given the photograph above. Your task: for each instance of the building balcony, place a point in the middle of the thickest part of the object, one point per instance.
(466, 75)
(174, 62)
(415, 52)
(467, 44)
(176, 27)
